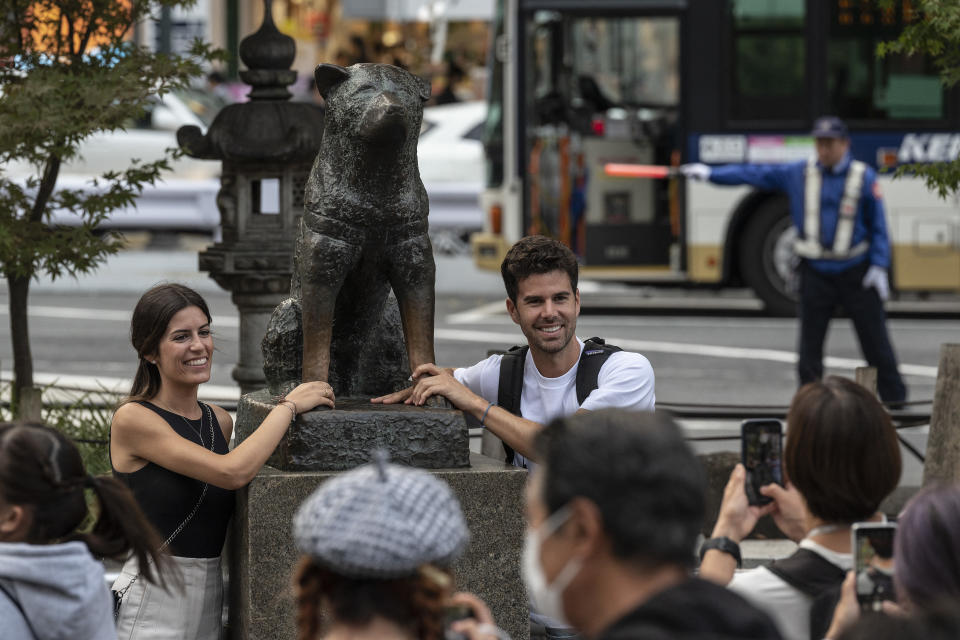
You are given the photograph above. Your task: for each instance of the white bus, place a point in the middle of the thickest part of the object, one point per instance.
(578, 84)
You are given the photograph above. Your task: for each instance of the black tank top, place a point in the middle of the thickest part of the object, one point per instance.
(167, 498)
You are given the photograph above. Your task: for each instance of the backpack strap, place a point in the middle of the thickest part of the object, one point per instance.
(814, 575)
(510, 385)
(595, 353)
(808, 571)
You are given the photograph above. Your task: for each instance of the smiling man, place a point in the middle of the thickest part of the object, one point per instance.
(556, 374)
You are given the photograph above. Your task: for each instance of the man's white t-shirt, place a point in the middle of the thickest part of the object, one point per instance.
(788, 606)
(625, 381)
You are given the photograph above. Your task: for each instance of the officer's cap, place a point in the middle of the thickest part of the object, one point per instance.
(829, 127)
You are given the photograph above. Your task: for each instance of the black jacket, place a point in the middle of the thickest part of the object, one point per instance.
(693, 610)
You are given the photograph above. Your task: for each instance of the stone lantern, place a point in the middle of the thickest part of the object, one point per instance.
(267, 146)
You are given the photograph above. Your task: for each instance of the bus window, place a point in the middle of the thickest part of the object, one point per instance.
(769, 60)
(861, 86)
(493, 127)
(632, 61)
(600, 89)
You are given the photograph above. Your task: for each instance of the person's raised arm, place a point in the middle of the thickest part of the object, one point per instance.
(142, 434)
(518, 433)
(769, 177)
(736, 520)
(431, 380)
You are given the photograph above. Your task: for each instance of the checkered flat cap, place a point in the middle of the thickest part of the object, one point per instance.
(381, 521)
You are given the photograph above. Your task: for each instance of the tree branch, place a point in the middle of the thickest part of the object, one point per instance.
(91, 21)
(49, 180)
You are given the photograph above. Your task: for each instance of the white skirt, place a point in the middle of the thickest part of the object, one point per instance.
(149, 612)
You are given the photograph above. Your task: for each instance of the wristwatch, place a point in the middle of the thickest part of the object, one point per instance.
(724, 544)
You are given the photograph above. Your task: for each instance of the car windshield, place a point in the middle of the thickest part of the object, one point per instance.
(203, 104)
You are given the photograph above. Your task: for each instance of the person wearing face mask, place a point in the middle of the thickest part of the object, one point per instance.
(609, 548)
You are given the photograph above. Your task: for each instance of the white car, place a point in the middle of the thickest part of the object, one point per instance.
(185, 198)
(146, 139)
(450, 155)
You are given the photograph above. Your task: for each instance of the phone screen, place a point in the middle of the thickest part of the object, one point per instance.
(762, 449)
(457, 612)
(873, 561)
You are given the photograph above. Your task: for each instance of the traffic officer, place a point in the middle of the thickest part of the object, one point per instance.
(842, 243)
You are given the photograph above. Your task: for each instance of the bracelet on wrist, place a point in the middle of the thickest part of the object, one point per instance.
(484, 416)
(291, 405)
(724, 545)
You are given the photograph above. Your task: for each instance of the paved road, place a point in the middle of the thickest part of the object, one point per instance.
(80, 327)
(80, 333)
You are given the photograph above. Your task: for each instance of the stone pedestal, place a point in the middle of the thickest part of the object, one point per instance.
(263, 557)
(342, 438)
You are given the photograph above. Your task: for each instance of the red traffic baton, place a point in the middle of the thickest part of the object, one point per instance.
(655, 171)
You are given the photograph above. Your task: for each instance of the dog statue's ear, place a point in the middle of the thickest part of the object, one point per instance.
(424, 88)
(329, 76)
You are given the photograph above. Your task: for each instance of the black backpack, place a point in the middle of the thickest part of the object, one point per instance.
(595, 353)
(814, 575)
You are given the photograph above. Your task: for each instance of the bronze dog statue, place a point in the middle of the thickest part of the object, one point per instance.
(364, 226)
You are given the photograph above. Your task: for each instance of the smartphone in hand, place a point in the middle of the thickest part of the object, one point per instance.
(761, 453)
(872, 544)
(453, 613)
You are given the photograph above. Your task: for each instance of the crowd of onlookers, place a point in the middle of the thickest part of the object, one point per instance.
(613, 514)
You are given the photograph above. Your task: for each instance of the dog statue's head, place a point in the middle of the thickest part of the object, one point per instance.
(379, 105)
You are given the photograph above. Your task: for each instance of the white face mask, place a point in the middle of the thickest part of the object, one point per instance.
(547, 599)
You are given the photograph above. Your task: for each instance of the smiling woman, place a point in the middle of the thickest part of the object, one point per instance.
(171, 450)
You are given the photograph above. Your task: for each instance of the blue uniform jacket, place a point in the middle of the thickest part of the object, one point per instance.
(870, 223)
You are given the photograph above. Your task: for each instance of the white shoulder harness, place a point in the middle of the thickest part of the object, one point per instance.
(808, 246)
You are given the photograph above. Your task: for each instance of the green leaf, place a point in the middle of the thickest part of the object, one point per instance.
(57, 89)
(935, 33)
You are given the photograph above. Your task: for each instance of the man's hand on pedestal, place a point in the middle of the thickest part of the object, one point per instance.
(421, 373)
(393, 398)
(432, 380)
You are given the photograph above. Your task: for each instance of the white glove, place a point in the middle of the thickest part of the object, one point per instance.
(876, 277)
(695, 170)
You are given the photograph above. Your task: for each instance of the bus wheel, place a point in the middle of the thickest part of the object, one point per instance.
(766, 252)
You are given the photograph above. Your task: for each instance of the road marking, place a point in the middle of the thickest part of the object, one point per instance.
(109, 315)
(496, 313)
(213, 393)
(479, 314)
(713, 351)
(95, 384)
(474, 315)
